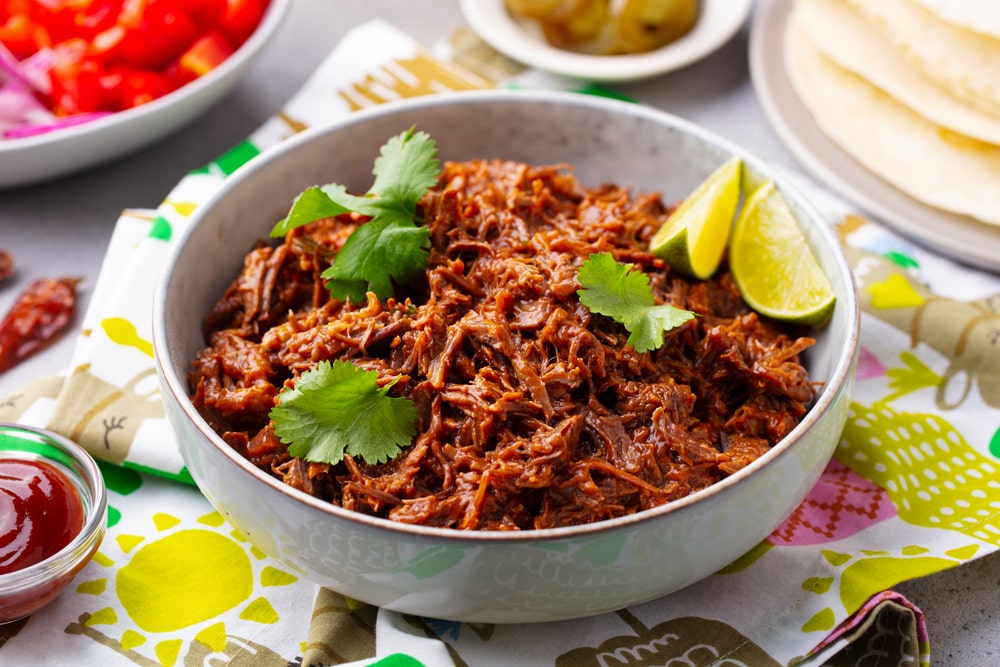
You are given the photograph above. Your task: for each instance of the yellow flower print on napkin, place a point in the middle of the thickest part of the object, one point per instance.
(177, 592)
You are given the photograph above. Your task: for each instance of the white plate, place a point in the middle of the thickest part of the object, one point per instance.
(45, 156)
(522, 40)
(959, 237)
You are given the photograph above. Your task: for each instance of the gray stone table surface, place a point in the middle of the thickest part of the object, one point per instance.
(62, 227)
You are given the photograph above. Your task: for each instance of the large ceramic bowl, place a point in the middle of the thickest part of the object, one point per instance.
(493, 576)
(37, 158)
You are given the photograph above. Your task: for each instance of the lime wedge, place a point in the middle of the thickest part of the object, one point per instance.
(773, 265)
(694, 237)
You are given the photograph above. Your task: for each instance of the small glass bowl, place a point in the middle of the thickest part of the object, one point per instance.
(25, 591)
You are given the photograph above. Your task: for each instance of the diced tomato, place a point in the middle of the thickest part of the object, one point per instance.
(175, 76)
(241, 19)
(54, 21)
(96, 17)
(18, 35)
(206, 54)
(131, 13)
(206, 13)
(141, 87)
(77, 91)
(106, 45)
(111, 85)
(125, 88)
(163, 34)
(10, 8)
(75, 79)
(70, 52)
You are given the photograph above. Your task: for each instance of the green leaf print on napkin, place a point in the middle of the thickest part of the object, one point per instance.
(914, 376)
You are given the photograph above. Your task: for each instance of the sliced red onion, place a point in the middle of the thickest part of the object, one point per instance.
(19, 106)
(10, 68)
(57, 124)
(22, 114)
(35, 69)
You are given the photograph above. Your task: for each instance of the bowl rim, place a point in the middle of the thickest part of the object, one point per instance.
(274, 15)
(94, 524)
(840, 375)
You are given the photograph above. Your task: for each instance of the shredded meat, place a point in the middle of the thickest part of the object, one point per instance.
(534, 412)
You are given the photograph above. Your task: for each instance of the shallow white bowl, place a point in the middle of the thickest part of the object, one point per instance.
(522, 40)
(492, 576)
(64, 151)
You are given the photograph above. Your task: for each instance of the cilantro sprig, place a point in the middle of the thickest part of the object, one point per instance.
(390, 248)
(616, 290)
(337, 408)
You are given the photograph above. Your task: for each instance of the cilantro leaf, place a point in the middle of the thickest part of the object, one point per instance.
(312, 204)
(375, 254)
(405, 169)
(337, 408)
(339, 195)
(391, 248)
(613, 289)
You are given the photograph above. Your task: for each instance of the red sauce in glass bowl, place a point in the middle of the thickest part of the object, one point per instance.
(40, 512)
(53, 516)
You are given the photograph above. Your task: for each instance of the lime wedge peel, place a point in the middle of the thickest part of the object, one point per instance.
(771, 262)
(693, 238)
(773, 266)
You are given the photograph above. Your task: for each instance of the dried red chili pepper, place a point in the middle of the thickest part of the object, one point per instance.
(6, 265)
(38, 315)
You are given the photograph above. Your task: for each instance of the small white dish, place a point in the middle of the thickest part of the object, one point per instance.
(522, 40)
(37, 158)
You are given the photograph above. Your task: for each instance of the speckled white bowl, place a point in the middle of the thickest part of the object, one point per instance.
(497, 577)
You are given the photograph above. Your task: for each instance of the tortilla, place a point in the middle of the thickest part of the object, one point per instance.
(979, 15)
(963, 61)
(845, 37)
(929, 163)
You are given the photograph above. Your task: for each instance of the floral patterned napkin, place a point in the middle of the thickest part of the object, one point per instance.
(912, 490)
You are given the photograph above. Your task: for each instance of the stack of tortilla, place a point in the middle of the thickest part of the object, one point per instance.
(909, 88)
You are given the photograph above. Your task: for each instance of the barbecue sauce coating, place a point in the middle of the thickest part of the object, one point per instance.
(534, 412)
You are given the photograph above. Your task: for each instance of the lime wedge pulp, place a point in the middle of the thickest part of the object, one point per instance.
(694, 236)
(773, 265)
